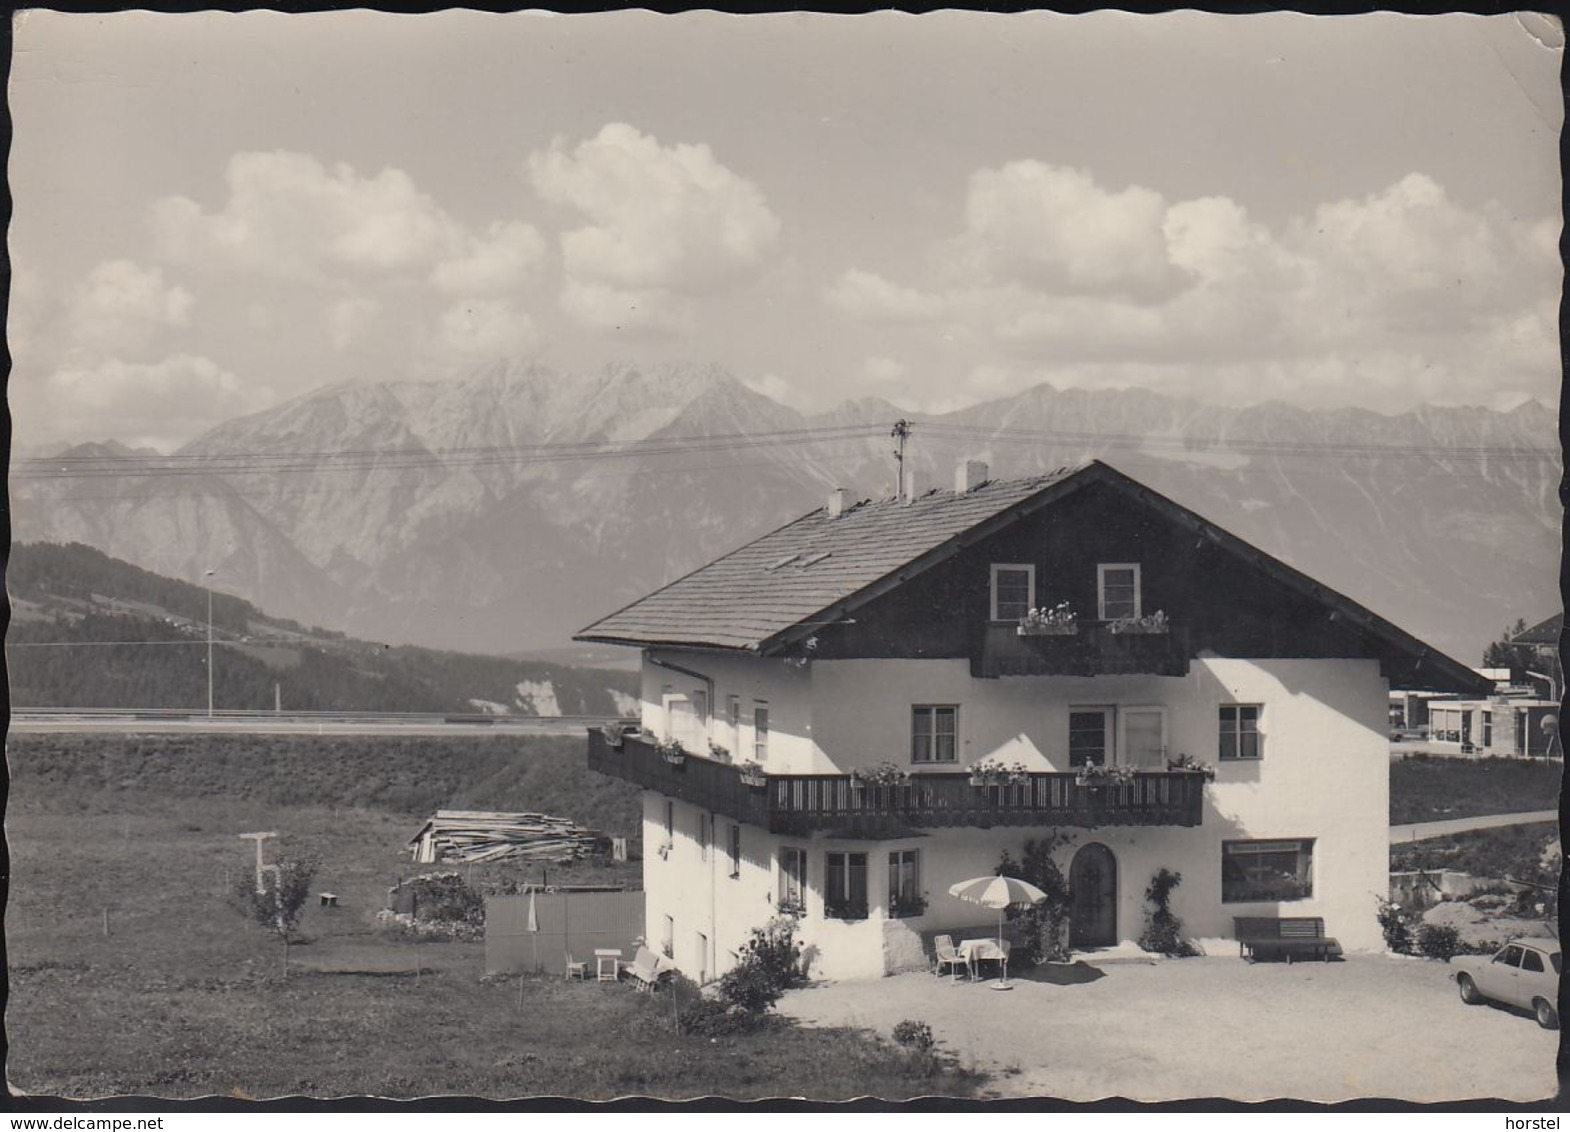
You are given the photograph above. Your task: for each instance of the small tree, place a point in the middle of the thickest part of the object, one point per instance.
(1396, 925)
(1503, 654)
(278, 904)
(1046, 924)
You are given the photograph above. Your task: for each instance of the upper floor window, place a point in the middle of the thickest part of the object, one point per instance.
(735, 850)
(704, 824)
(1240, 732)
(760, 731)
(1090, 736)
(733, 723)
(934, 733)
(685, 718)
(1013, 590)
(670, 819)
(1117, 590)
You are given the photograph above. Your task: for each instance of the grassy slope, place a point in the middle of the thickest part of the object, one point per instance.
(1434, 789)
(186, 998)
(412, 776)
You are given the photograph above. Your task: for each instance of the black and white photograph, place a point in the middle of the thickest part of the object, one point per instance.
(1001, 557)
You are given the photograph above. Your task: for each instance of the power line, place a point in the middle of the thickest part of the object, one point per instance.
(246, 463)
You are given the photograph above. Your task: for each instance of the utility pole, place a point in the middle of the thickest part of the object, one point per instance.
(208, 576)
(901, 433)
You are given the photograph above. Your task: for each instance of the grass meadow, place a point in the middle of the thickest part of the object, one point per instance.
(1424, 788)
(130, 972)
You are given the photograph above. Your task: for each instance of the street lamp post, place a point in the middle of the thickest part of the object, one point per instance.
(209, 575)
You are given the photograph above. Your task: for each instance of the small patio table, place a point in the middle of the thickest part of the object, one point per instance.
(984, 950)
(607, 964)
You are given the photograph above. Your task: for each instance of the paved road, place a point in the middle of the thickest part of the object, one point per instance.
(1423, 831)
(291, 725)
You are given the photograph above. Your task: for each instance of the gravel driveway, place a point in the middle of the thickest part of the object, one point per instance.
(1371, 1026)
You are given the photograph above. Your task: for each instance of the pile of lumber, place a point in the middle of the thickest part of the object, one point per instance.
(485, 835)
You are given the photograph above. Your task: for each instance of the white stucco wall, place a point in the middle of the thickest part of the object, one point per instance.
(1324, 775)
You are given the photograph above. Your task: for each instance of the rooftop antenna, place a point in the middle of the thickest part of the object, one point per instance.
(900, 433)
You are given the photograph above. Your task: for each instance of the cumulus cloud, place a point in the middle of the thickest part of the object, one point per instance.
(508, 255)
(1058, 229)
(123, 307)
(290, 216)
(660, 219)
(1399, 296)
(158, 403)
(473, 330)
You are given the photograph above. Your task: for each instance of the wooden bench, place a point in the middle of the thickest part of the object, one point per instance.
(647, 969)
(1260, 937)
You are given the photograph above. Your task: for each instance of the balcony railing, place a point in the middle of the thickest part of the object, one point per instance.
(1094, 650)
(834, 803)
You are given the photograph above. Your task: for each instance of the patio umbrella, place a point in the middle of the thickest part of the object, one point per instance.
(997, 892)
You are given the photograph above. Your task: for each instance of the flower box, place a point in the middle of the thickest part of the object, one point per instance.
(756, 781)
(1069, 630)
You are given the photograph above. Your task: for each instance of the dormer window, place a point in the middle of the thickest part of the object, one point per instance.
(1117, 590)
(1013, 590)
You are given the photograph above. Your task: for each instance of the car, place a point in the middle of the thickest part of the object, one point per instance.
(1523, 973)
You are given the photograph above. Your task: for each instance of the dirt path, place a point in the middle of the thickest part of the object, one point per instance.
(1371, 1026)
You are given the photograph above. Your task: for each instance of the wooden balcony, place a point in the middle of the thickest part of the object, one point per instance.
(1092, 651)
(831, 803)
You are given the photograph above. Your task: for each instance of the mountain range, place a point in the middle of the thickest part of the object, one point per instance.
(503, 511)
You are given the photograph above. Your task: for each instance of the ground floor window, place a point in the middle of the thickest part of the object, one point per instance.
(1267, 870)
(845, 886)
(905, 897)
(793, 880)
(668, 940)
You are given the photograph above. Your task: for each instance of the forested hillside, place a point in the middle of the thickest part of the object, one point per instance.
(88, 630)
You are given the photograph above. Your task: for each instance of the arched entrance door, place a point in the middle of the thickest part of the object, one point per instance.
(1093, 881)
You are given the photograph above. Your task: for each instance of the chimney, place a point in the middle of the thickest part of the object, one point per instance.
(911, 487)
(836, 503)
(970, 475)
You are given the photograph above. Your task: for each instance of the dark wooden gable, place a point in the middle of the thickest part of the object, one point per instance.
(1214, 598)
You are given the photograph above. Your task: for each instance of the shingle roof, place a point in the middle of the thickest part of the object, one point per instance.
(818, 569)
(804, 569)
(1543, 633)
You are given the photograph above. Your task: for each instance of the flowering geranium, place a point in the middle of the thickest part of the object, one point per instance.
(1058, 616)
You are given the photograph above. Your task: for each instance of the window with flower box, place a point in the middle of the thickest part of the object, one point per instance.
(793, 880)
(1117, 590)
(905, 897)
(1090, 736)
(845, 886)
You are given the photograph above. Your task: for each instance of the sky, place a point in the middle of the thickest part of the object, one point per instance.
(216, 212)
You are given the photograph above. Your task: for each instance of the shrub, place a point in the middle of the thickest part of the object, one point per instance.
(710, 1018)
(1163, 932)
(769, 964)
(1438, 941)
(914, 1035)
(1045, 925)
(1396, 925)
